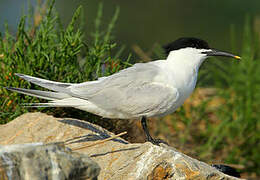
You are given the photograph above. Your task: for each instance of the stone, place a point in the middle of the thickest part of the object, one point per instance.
(51, 161)
(117, 158)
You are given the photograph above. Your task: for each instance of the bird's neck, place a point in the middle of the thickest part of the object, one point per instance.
(183, 67)
(183, 70)
(185, 60)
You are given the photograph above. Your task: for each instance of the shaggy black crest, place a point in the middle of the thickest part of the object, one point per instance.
(186, 42)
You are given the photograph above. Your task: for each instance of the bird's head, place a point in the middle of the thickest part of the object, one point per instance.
(193, 50)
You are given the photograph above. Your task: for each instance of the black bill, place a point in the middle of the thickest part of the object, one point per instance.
(214, 52)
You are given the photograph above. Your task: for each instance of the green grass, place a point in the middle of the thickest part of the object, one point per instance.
(49, 50)
(240, 114)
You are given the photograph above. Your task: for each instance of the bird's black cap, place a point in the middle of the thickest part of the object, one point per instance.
(186, 42)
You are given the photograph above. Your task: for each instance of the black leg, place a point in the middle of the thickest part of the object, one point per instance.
(146, 131)
(147, 134)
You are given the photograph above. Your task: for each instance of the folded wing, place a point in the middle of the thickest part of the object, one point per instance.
(132, 91)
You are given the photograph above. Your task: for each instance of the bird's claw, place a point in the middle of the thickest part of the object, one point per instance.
(157, 141)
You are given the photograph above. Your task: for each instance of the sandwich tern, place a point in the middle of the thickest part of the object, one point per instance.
(141, 91)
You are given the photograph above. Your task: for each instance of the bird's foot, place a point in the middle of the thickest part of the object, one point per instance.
(148, 136)
(157, 142)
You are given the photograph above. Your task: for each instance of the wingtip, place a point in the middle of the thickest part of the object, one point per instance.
(19, 74)
(10, 88)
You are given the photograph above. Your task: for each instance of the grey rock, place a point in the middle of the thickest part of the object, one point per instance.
(52, 161)
(118, 159)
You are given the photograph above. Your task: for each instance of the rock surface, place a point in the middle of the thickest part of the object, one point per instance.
(117, 158)
(51, 161)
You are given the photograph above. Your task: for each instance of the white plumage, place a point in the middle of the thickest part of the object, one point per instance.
(144, 90)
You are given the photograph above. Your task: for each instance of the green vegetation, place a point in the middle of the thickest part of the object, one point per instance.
(223, 125)
(239, 114)
(49, 50)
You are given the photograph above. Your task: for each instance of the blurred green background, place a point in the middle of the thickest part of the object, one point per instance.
(151, 21)
(218, 124)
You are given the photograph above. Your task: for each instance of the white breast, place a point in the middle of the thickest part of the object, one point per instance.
(182, 72)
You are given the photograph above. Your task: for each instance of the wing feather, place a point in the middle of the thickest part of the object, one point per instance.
(51, 85)
(147, 99)
(137, 74)
(132, 91)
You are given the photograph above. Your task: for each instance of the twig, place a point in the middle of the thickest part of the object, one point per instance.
(99, 142)
(141, 53)
(70, 141)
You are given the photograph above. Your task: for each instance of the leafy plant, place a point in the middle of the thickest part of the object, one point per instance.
(45, 48)
(239, 127)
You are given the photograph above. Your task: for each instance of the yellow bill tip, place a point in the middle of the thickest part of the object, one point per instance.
(237, 57)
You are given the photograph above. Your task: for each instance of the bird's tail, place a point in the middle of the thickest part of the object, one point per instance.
(49, 95)
(67, 102)
(58, 98)
(51, 85)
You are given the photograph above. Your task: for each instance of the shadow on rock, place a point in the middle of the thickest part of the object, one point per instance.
(102, 134)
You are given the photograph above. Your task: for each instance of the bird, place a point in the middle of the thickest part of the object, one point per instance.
(144, 90)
